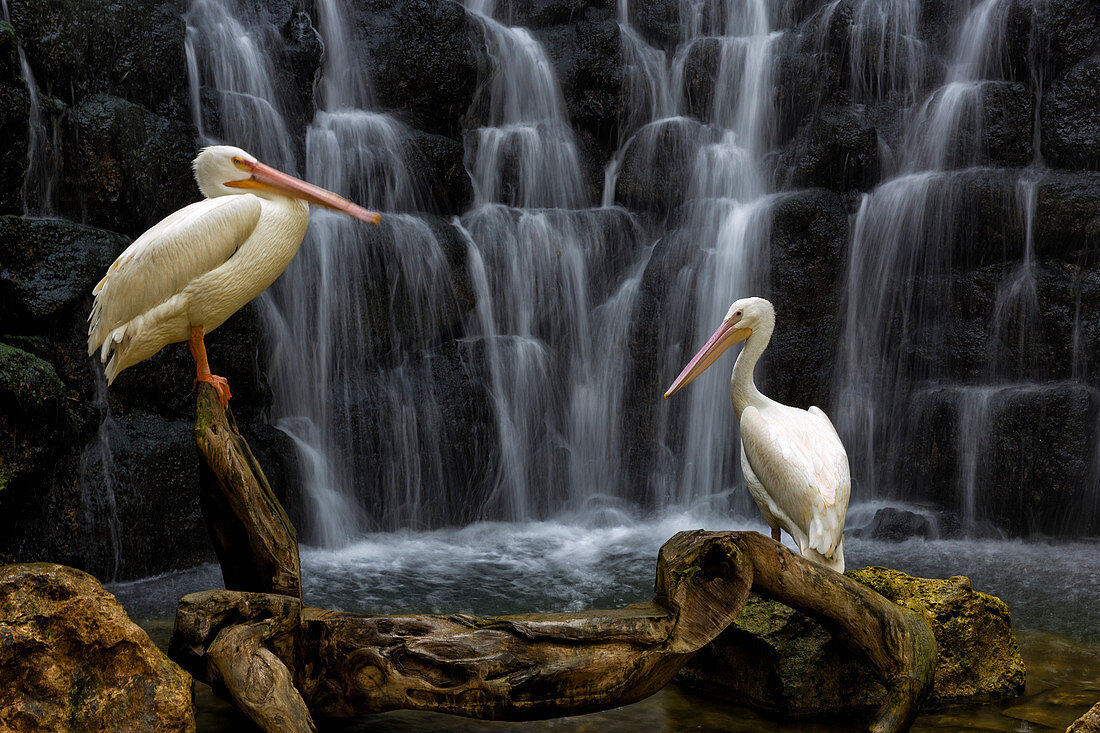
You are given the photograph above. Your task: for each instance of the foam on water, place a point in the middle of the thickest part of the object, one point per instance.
(607, 559)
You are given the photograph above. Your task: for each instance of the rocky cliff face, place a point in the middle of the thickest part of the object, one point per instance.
(101, 127)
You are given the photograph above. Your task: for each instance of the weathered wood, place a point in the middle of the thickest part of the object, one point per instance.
(545, 665)
(253, 537)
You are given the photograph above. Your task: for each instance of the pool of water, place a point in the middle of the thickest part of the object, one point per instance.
(609, 561)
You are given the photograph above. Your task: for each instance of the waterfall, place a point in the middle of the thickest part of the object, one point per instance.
(910, 236)
(373, 336)
(97, 482)
(39, 191)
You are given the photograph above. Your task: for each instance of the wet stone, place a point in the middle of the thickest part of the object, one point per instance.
(72, 660)
(776, 659)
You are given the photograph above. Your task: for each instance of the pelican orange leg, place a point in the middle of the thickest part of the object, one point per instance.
(202, 368)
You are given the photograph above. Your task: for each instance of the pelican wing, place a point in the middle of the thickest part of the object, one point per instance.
(799, 459)
(162, 261)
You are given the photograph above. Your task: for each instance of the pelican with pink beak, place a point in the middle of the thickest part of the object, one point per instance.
(185, 276)
(795, 466)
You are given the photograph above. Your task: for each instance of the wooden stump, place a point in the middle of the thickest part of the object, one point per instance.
(540, 665)
(253, 537)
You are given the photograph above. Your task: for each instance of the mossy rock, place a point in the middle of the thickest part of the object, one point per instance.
(31, 387)
(780, 660)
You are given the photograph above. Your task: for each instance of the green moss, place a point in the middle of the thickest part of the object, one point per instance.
(31, 387)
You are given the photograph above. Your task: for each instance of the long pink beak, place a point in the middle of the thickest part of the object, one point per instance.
(267, 178)
(726, 336)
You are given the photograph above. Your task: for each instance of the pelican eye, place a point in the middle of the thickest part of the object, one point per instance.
(240, 162)
(738, 314)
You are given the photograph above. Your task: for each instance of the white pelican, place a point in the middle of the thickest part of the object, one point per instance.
(795, 466)
(201, 264)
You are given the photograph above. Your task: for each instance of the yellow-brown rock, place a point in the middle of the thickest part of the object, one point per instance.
(778, 659)
(71, 660)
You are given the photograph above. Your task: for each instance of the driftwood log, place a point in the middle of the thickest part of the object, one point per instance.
(284, 663)
(253, 537)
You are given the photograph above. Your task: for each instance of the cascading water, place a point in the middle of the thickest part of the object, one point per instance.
(555, 285)
(910, 237)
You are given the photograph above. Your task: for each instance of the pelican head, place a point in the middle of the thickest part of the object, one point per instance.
(222, 170)
(743, 317)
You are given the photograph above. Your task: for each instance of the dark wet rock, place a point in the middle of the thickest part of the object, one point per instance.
(837, 148)
(71, 659)
(667, 276)
(36, 419)
(48, 266)
(803, 83)
(131, 168)
(132, 49)
(1071, 126)
(1008, 116)
(779, 660)
(300, 67)
(656, 169)
(153, 479)
(700, 73)
(31, 391)
(437, 163)
(897, 525)
(1042, 491)
(542, 13)
(1057, 33)
(808, 238)
(588, 58)
(986, 437)
(658, 22)
(14, 111)
(424, 60)
(1067, 217)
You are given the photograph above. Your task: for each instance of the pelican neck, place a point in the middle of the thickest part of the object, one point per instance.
(743, 389)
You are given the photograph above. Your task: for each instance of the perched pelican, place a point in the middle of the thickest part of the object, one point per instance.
(795, 466)
(201, 264)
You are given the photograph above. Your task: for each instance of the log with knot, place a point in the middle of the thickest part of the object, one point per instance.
(286, 664)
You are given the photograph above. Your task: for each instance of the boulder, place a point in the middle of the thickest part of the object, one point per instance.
(131, 167)
(1067, 215)
(836, 148)
(1070, 125)
(132, 49)
(48, 266)
(809, 232)
(436, 162)
(657, 165)
(424, 59)
(897, 525)
(777, 659)
(72, 660)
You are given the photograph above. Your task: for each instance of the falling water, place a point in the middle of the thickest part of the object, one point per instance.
(97, 482)
(39, 191)
(909, 235)
(369, 332)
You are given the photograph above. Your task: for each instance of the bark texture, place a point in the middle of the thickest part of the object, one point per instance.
(253, 537)
(539, 665)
